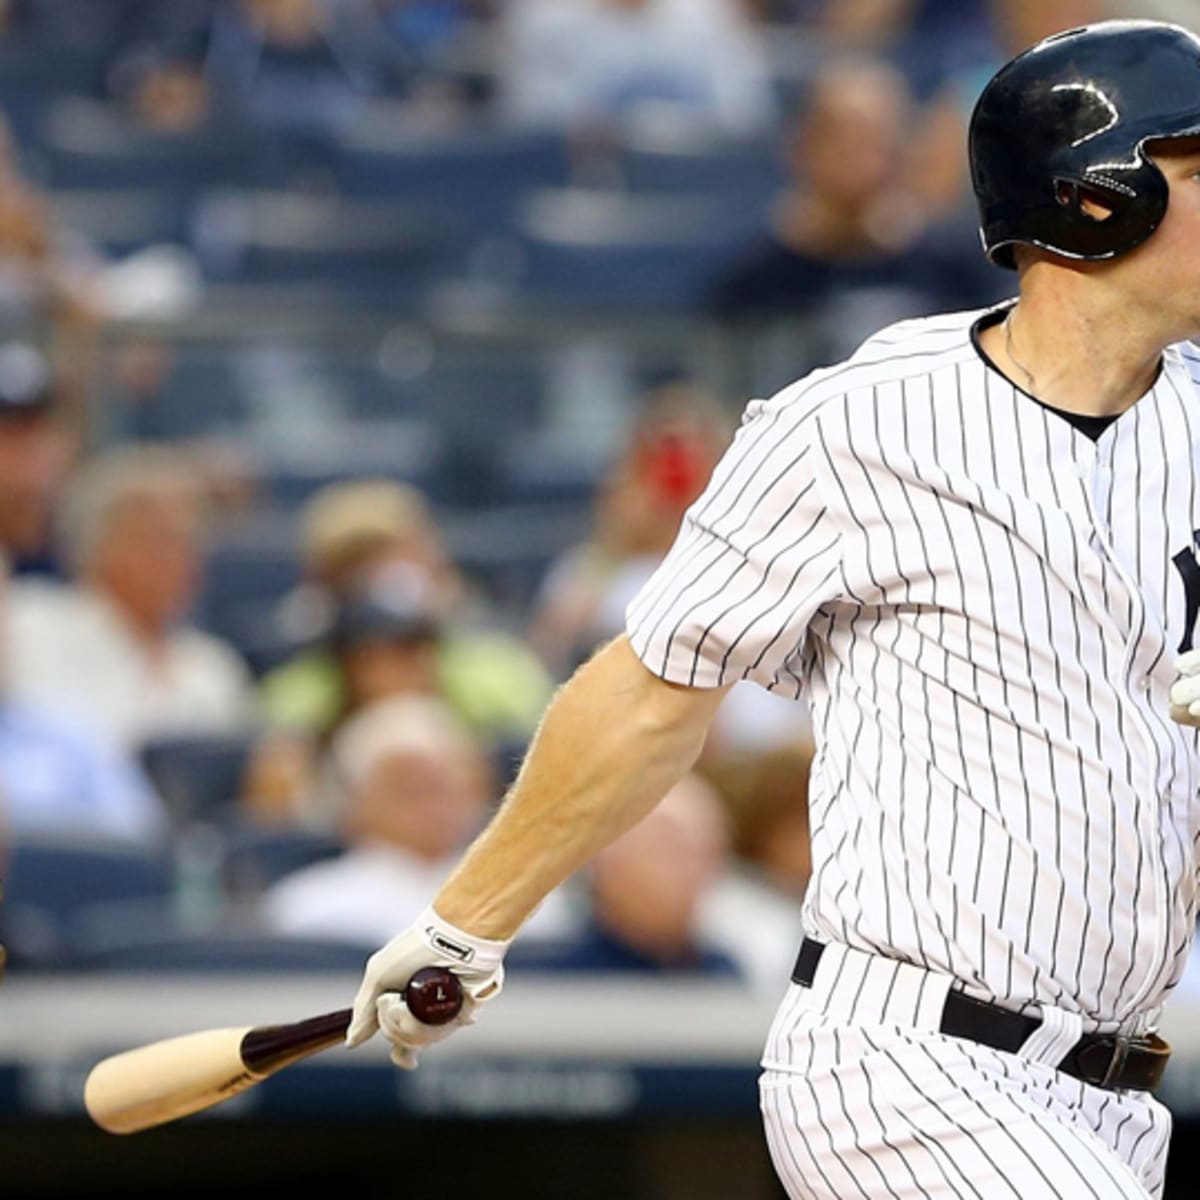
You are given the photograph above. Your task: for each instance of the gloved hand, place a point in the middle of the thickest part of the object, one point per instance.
(428, 942)
(1185, 691)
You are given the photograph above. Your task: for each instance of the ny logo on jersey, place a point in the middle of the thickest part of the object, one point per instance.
(1189, 569)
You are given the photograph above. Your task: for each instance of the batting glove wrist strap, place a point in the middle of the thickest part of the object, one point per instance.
(428, 942)
(459, 949)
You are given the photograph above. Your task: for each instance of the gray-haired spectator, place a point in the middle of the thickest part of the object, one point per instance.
(415, 786)
(114, 645)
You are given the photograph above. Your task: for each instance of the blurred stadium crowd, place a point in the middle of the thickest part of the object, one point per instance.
(359, 359)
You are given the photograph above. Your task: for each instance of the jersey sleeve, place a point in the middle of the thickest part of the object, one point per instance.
(755, 557)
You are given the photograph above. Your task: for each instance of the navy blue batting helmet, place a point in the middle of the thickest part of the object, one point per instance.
(1068, 121)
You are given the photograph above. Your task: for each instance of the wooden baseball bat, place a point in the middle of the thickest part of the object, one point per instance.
(165, 1080)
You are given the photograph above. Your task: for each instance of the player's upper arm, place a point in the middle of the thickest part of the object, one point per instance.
(758, 553)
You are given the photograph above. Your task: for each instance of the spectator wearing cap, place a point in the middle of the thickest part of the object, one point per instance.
(384, 639)
(416, 785)
(114, 645)
(35, 454)
(362, 530)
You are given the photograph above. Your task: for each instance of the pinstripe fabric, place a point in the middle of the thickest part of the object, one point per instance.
(862, 1096)
(891, 1112)
(979, 603)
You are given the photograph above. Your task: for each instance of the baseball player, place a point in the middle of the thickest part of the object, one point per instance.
(972, 548)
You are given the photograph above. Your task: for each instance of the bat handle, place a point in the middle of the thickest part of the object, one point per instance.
(434, 996)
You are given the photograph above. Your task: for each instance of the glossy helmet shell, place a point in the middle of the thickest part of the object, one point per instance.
(1068, 120)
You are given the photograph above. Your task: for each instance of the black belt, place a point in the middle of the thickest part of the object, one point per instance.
(1105, 1060)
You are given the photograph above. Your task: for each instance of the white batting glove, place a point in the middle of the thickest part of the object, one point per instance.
(428, 942)
(1185, 691)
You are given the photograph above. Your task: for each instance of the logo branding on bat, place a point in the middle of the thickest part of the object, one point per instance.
(455, 950)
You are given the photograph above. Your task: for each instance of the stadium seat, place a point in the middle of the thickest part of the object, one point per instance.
(199, 777)
(199, 397)
(254, 858)
(85, 143)
(750, 170)
(48, 881)
(369, 250)
(479, 175)
(534, 470)
(411, 450)
(506, 549)
(587, 250)
(222, 949)
(121, 221)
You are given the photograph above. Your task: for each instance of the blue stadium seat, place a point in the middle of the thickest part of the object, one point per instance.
(199, 397)
(752, 171)
(480, 175)
(371, 250)
(86, 143)
(411, 450)
(598, 250)
(251, 565)
(223, 949)
(121, 221)
(506, 549)
(533, 470)
(49, 881)
(256, 858)
(198, 776)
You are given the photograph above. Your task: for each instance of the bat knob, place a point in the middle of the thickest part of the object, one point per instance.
(434, 995)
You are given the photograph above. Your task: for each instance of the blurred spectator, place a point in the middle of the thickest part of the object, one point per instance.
(849, 242)
(48, 282)
(931, 41)
(35, 454)
(114, 645)
(670, 450)
(385, 637)
(1021, 23)
(281, 66)
(675, 440)
(590, 66)
(646, 890)
(56, 777)
(383, 641)
(417, 786)
(350, 534)
(767, 798)
(756, 906)
(426, 50)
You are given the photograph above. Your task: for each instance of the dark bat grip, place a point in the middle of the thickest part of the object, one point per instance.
(434, 996)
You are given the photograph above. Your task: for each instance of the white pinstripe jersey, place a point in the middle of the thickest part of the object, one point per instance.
(982, 605)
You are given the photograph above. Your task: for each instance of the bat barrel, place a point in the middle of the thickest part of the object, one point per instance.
(173, 1078)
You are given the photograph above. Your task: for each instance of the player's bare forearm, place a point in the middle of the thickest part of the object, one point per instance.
(614, 740)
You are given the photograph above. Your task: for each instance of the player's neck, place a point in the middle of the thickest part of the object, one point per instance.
(1081, 357)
